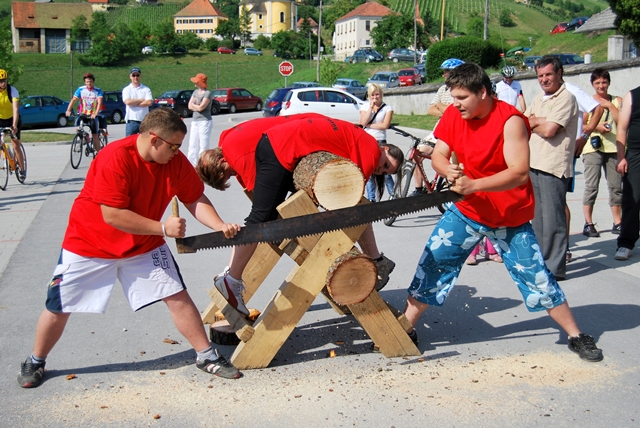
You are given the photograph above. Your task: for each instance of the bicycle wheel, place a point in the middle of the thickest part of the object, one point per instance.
(102, 136)
(21, 178)
(441, 185)
(76, 151)
(4, 169)
(402, 186)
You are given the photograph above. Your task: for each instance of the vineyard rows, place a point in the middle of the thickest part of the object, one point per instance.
(152, 15)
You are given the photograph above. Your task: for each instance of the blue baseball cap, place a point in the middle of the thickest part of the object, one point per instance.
(135, 70)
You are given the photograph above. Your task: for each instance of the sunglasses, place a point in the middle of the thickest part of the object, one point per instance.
(135, 75)
(173, 147)
(3, 80)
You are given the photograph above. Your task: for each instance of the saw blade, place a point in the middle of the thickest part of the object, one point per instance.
(312, 224)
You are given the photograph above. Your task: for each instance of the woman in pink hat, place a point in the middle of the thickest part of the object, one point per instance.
(200, 105)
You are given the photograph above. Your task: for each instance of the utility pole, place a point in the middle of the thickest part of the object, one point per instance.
(486, 19)
(442, 22)
(319, 39)
(415, 32)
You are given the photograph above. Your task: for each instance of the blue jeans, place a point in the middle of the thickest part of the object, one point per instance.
(132, 127)
(453, 239)
(370, 188)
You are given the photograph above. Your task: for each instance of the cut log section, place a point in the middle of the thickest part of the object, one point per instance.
(221, 333)
(351, 278)
(331, 181)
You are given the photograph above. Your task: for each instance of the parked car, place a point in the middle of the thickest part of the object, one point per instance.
(283, 55)
(576, 23)
(409, 77)
(226, 50)
(252, 51)
(386, 79)
(177, 100)
(569, 58)
(422, 70)
(530, 62)
(327, 101)
(560, 27)
(305, 84)
(273, 103)
(113, 108)
(180, 50)
(234, 99)
(147, 50)
(396, 55)
(43, 110)
(366, 55)
(353, 86)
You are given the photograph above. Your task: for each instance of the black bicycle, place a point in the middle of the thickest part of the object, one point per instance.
(413, 159)
(82, 141)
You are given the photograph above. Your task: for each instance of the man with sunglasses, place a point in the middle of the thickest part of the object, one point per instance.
(116, 231)
(137, 97)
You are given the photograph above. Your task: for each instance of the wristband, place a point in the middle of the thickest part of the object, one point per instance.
(163, 231)
(585, 136)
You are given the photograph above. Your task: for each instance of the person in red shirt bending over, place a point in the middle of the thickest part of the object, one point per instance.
(115, 231)
(262, 154)
(491, 141)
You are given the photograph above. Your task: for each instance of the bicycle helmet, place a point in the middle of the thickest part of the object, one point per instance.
(509, 71)
(451, 63)
(3, 75)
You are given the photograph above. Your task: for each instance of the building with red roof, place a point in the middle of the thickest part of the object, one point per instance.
(200, 17)
(353, 30)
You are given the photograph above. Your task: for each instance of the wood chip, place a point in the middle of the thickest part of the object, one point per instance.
(297, 396)
(71, 376)
(170, 341)
(332, 353)
(156, 416)
(104, 407)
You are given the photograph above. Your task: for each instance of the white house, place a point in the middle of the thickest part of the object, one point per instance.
(353, 29)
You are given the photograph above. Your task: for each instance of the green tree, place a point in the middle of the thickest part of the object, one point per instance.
(475, 27)
(329, 71)
(211, 44)
(244, 23)
(628, 18)
(336, 11)
(228, 29)
(164, 37)
(394, 31)
(123, 41)
(6, 57)
(281, 41)
(190, 40)
(230, 8)
(102, 52)
(79, 37)
(505, 19)
(262, 42)
(142, 34)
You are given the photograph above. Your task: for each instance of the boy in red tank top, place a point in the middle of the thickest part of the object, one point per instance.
(491, 141)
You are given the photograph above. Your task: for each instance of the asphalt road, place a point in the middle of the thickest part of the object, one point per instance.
(486, 361)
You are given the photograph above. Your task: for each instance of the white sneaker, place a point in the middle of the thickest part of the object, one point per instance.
(231, 290)
(623, 253)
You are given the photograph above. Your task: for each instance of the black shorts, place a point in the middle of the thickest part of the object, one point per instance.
(8, 123)
(273, 183)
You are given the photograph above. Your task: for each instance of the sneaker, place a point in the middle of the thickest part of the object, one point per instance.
(568, 256)
(231, 290)
(616, 228)
(419, 191)
(590, 230)
(23, 176)
(385, 267)
(30, 374)
(219, 367)
(622, 253)
(585, 346)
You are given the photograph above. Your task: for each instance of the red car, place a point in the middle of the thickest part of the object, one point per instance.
(226, 50)
(234, 99)
(560, 27)
(409, 77)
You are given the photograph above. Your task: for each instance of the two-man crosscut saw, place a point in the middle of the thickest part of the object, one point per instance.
(312, 224)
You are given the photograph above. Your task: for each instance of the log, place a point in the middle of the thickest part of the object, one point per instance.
(331, 181)
(221, 333)
(351, 278)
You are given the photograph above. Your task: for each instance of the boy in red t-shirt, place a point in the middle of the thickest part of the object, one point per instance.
(491, 141)
(115, 232)
(262, 155)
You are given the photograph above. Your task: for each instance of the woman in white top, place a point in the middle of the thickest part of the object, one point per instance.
(375, 118)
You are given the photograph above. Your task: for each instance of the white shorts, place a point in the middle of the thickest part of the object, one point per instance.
(84, 284)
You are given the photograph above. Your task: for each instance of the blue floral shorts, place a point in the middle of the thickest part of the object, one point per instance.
(453, 239)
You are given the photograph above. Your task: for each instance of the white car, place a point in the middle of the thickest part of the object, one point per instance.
(327, 101)
(147, 49)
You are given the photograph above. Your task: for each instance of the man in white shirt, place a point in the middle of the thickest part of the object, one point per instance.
(137, 98)
(510, 90)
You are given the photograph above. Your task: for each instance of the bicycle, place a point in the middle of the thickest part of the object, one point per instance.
(9, 160)
(83, 138)
(413, 159)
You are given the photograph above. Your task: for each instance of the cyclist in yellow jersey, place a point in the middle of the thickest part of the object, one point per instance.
(9, 116)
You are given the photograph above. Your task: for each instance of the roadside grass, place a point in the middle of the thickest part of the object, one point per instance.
(45, 137)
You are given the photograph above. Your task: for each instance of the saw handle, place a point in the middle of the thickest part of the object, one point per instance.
(175, 210)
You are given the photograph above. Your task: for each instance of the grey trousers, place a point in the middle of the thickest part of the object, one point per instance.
(550, 219)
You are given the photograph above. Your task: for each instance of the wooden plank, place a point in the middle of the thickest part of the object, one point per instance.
(233, 317)
(404, 322)
(382, 326)
(288, 305)
(259, 267)
(297, 205)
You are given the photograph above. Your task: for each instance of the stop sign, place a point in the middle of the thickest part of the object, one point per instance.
(285, 68)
